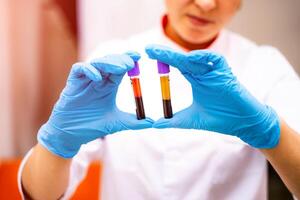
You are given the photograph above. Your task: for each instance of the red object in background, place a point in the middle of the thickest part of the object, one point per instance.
(8, 179)
(88, 189)
(69, 9)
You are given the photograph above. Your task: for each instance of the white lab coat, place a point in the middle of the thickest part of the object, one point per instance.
(174, 164)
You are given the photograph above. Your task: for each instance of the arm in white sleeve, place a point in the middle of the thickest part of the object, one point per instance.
(78, 167)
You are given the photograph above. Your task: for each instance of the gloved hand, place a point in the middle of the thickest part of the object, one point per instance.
(86, 109)
(220, 103)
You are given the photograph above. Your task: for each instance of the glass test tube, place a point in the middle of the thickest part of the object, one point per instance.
(163, 70)
(136, 86)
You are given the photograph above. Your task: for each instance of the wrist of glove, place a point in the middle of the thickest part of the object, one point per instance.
(261, 131)
(61, 143)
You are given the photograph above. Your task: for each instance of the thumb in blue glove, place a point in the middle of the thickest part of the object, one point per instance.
(86, 109)
(220, 103)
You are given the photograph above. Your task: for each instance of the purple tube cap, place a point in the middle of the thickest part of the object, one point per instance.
(135, 71)
(162, 68)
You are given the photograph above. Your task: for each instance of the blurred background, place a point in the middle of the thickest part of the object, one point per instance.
(41, 39)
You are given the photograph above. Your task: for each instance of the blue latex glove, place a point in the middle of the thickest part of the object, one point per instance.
(86, 109)
(220, 103)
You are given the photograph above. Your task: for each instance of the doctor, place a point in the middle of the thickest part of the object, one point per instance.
(223, 90)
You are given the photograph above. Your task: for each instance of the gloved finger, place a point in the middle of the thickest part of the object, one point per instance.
(168, 56)
(187, 63)
(113, 64)
(162, 123)
(80, 70)
(181, 119)
(130, 122)
(210, 59)
(135, 56)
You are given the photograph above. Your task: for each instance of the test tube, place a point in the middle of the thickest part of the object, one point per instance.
(163, 70)
(136, 86)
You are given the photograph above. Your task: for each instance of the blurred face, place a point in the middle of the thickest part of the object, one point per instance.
(198, 21)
